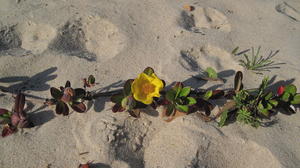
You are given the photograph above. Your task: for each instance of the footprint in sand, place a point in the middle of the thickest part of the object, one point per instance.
(205, 18)
(197, 59)
(36, 37)
(115, 140)
(92, 38)
(184, 145)
(289, 11)
(9, 38)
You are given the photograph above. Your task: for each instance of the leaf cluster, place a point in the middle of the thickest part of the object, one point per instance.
(179, 99)
(17, 118)
(251, 106)
(66, 97)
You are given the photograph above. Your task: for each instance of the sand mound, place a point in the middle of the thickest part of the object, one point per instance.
(182, 144)
(103, 38)
(9, 38)
(207, 18)
(208, 56)
(36, 37)
(92, 38)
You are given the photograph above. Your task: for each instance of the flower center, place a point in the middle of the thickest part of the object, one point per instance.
(148, 88)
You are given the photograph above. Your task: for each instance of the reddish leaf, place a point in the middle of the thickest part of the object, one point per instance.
(117, 108)
(68, 84)
(217, 94)
(19, 103)
(84, 166)
(91, 80)
(66, 98)
(3, 111)
(238, 85)
(204, 105)
(163, 102)
(8, 130)
(55, 93)
(79, 107)
(62, 108)
(69, 91)
(15, 119)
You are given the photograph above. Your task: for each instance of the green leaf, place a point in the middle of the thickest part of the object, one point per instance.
(177, 88)
(296, 99)
(234, 51)
(292, 89)
(191, 100)
(170, 95)
(223, 118)
(56, 93)
(127, 87)
(260, 106)
(117, 98)
(91, 80)
(285, 96)
(128, 103)
(273, 102)
(264, 112)
(182, 108)
(131, 103)
(185, 91)
(211, 73)
(268, 96)
(149, 71)
(269, 106)
(207, 95)
(170, 110)
(124, 102)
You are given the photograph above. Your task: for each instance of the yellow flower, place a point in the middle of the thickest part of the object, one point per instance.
(145, 87)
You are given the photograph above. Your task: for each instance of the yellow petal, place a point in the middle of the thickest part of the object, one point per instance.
(139, 84)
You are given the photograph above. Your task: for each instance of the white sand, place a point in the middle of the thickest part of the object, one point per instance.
(44, 43)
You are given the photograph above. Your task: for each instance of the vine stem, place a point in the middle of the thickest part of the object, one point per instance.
(40, 100)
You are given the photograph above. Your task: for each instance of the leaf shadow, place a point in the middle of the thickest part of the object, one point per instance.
(41, 117)
(99, 165)
(273, 86)
(188, 63)
(37, 82)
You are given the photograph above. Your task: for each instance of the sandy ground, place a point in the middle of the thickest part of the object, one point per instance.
(43, 43)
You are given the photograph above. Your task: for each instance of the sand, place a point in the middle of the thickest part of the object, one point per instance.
(44, 43)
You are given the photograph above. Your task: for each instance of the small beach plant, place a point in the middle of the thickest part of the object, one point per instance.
(17, 118)
(257, 62)
(179, 99)
(253, 105)
(67, 96)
